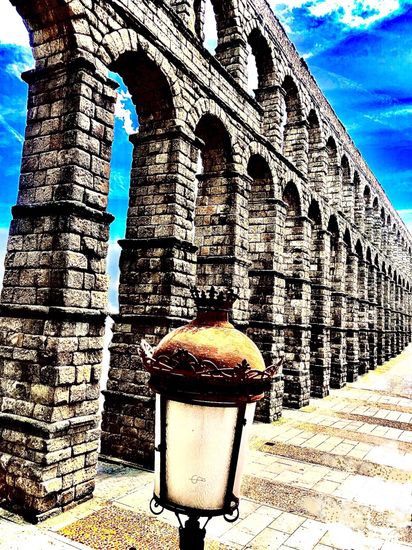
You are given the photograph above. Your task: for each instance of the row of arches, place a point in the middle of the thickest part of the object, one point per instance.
(243, 217)
(293, 124)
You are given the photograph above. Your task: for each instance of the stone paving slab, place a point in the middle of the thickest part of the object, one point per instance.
(317, 479)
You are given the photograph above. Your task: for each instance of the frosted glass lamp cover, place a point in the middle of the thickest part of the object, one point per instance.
(200, 454)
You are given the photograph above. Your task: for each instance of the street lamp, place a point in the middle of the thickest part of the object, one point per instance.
(207, 377)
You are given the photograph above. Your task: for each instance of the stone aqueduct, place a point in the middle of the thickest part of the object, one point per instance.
(285, 211)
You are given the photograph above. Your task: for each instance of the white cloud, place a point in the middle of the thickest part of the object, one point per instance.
(12, 29)
(210, 28)
(352, 13)
(123, 113)
(113, 272)
(252, 72)
(25, 63)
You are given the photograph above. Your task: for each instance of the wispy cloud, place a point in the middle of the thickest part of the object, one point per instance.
(352, 13)
(25, 63)
(124, 113)
(355, 13)
(12, 29)
(10, 130)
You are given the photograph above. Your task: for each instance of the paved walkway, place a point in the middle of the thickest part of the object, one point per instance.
(334, 475)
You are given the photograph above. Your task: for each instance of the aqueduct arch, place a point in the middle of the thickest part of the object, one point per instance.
(285, 211)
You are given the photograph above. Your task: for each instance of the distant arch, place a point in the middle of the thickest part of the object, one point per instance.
(263, 58)
(212, 221)
(359, 249)
(347, 239)
(292, 199)
(294, 138)
(348, 188)
(315, 166)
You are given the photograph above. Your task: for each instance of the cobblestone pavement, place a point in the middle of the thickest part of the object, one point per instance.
(334, 475)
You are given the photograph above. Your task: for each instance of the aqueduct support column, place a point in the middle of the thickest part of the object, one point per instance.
(380, 336)
(363, 316)
(272, 100)
(339, 303)
(320, 360)
(393, 317)
(157, 267)
(297, 328)
(402, 317)
(352, 319)
(222, 259)
(54, 294)
(373, 316)
(232, 54)
(387, 313)
(296, 144)
(267, 287)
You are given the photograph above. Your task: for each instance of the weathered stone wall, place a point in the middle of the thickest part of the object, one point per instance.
(285, 211)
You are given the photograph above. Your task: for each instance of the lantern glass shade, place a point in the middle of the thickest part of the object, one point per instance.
(203, 456)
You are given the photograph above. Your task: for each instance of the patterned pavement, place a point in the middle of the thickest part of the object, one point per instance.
(334, 475)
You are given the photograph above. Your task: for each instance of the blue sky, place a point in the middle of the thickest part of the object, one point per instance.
(360, 52)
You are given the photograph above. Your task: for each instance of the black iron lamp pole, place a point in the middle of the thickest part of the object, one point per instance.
(191, 535)
(207, 377)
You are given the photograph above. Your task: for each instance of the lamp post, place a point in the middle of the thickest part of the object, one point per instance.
(207, 377)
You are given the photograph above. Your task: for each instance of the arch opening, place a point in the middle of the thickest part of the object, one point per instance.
(260, 62)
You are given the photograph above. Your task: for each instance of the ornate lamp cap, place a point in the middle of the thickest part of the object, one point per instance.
(212, 300)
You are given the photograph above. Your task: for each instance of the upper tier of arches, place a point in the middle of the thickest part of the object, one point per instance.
(296, 123)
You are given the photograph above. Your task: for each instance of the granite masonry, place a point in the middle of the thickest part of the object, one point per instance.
(281, 207)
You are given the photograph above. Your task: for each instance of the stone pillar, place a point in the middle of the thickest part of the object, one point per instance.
(363, 316)
(386, 305)
(339, 318)
(318, 169)
(373, 316)
(392, 305)
(222, 259)
(384, 245)
(272, 100)
(403, 317)
(352, 317)
(157, 266)
(360, 208)
(54, 294)
(398, 324)
(377, 231)
(266, 304)
(380, 319)
(295, 147)
(334, 185)
(369, 223)
(320, 352)
(409, 315)
(232, 53)
(297, 316)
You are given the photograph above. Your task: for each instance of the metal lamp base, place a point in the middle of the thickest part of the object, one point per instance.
(192, 536)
